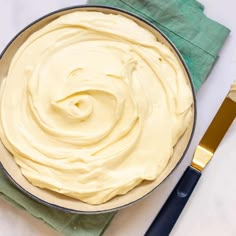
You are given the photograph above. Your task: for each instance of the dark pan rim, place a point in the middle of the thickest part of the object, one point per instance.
(65, 209)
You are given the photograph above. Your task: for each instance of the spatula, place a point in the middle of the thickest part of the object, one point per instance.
(172, 208)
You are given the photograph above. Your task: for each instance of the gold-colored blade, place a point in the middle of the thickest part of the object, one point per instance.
(214, 134)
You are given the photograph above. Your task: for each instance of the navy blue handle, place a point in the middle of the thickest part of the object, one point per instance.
(171, 210)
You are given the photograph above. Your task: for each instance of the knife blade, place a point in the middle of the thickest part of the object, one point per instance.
(172, 208)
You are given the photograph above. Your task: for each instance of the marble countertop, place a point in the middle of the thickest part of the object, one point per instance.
(211, 209)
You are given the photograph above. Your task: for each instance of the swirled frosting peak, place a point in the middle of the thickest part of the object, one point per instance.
(93, 105)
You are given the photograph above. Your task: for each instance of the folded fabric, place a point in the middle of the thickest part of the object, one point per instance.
(198, 39)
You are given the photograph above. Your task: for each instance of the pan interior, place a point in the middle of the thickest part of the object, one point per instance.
(63, 202)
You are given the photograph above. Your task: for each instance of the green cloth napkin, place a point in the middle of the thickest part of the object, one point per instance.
(198, 39)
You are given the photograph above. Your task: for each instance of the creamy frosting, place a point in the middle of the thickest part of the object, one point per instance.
(232, 92)
(93, 105)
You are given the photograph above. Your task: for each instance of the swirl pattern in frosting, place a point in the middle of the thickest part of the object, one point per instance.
(93, 105)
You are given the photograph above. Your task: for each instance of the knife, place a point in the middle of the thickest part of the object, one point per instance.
(172, 208)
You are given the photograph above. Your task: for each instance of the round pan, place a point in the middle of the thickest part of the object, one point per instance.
(64, 203)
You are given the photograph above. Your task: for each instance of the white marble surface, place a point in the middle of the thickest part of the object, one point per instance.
(211, 209)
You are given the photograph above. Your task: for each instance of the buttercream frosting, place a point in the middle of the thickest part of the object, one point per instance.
(92, 105)
(232, 92)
